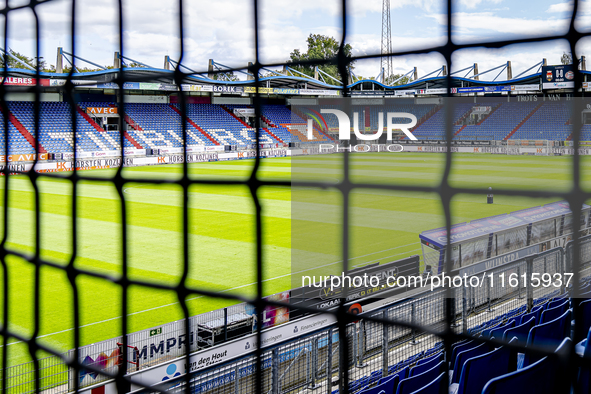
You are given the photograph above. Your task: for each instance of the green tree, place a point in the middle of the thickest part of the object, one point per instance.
(12, 63)
(269, 74)
(403, 81)
(227, 76)
(134, 65)
(320, 47)
(80, 69)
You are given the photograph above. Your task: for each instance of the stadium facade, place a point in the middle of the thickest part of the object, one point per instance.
(220, 114)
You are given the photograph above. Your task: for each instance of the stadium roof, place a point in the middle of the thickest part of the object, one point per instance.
(154, 75)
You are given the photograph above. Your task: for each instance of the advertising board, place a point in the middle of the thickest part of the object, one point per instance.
(558, 77)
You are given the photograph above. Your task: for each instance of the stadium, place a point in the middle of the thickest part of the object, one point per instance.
(292, 227)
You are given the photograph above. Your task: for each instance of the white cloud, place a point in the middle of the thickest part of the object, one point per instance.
(473, 4)
(476, 26)
(522, 57)
(521, 26)
(560, 8)
(359, 8)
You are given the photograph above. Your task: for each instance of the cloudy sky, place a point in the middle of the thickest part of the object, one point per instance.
(223, 30)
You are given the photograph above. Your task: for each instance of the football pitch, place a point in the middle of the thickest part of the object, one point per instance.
(306, 221)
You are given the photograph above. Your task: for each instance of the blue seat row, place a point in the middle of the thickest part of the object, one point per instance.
(476, 367)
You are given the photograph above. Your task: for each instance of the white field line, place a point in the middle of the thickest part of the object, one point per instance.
(195, 298)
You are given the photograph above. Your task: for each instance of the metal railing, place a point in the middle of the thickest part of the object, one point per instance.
(377, 347)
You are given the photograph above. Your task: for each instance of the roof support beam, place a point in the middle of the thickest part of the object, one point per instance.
(539, 65)
(7, 53)
(84, 60)
(330, 76)
(132, 60)
(487, 71)
(405, 75)
(438, 71)
(291, 70)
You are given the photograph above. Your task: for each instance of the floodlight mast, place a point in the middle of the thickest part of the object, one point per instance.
(386, 61)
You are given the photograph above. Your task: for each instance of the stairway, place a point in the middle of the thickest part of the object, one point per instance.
(205, 133)
(273, 135)
(25, 133)
(98, 128)
(461, 128)
(523, 121)
(234, 116)
(89, 120)
(134, 126)
(489, 114)
(463, 117)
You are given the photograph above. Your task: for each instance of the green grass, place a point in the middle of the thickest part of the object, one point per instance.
(302, 227)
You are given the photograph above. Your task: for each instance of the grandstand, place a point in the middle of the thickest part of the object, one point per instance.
(158, 126)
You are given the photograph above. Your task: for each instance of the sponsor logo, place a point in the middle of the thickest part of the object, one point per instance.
(101, 110)
(549, 75)
(569, 75)
(171, 372)
(103, 362)
(227, 89)
(336, 148)
(24, 81)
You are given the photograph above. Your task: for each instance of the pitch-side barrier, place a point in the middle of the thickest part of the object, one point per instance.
(309, 358)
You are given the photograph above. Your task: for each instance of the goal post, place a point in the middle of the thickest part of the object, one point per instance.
(529, 147)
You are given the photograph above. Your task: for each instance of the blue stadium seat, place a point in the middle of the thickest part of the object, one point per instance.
(388, 386)
(411, 384)
(549, 334)
(401, 371)
(458, 348)
(439, 355)
(498, 331)
(521, 331)
(394, 381)
(395, 378)
(437, 386)
(425, 366)
(552, 313)
(477, 371)
(375, 376)
(583, 349)
(536, 312)
(464, 355)
(542, 377)
(586, 322)
(557, 301)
